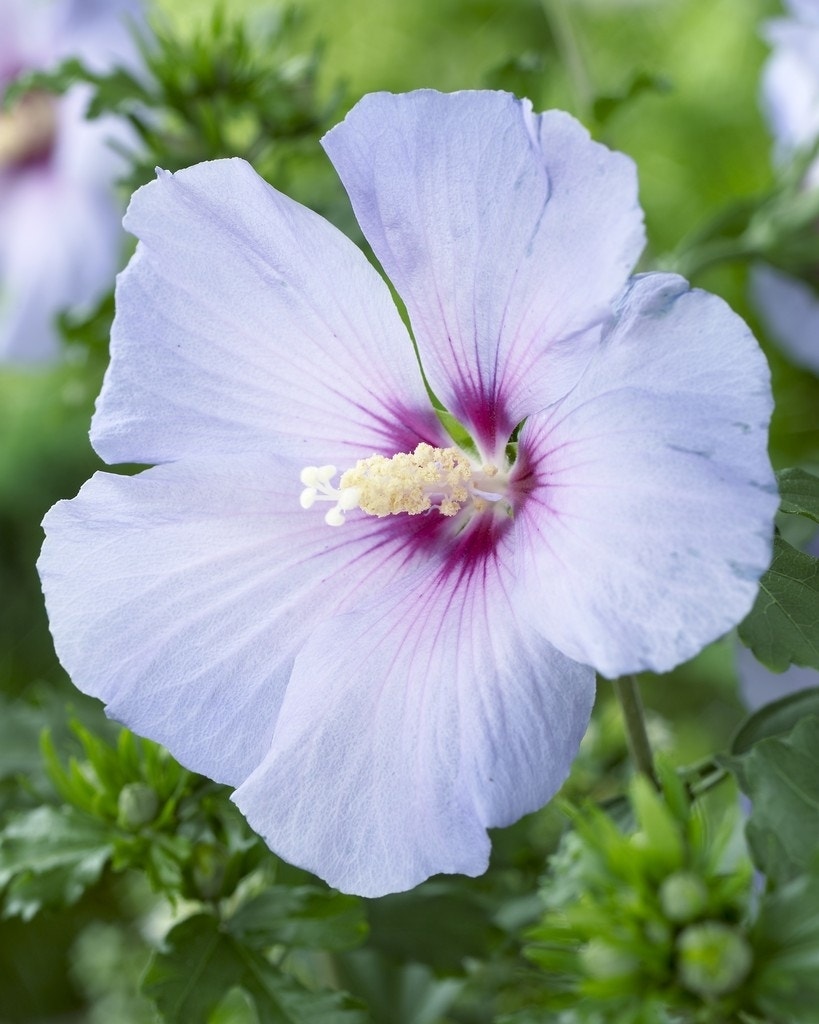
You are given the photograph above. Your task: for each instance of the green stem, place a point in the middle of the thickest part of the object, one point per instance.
(629, 696)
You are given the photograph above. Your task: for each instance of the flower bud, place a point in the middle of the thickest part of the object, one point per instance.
(683, 897)
(713, 959)
(603, 961)
(137, 805)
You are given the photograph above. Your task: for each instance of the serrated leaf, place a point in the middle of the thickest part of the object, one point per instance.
(280, 999)
(775, 718)
(780, 775)
(783, 625)
(301, 916)
(799, 493)
(202, 961)
(49, 857)
(190, 978)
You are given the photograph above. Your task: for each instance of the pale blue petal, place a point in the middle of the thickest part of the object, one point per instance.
(245, 322)
(59, 247)
(409, 729)
(759, 686)
(650, 517)
(790, 310)
(505, 233)
(181, 596)
(790, 86)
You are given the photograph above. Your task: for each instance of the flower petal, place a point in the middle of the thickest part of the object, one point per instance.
(790, 309)
(505, 233)
(59, 247)
(651, 513)
(245, 322)
(759, 686)
(409, 729)
(180, 597)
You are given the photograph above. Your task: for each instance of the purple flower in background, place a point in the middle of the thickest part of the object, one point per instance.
(790, 94)
(385, 641)
(60, 234)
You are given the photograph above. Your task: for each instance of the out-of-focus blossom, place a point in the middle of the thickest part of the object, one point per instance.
(790, 93)
(386, 680)
(758, 685)
(60, 233)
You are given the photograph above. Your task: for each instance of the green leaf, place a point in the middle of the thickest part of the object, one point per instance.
(781, 776)
(302, 916)
(192, 976)
(49, 857)
(799, 493)
(642, 82)
(280, 999)
(203, 961)
(785, 937)
(20, 727)
(776, 718)
(440, 924)
(783, 626)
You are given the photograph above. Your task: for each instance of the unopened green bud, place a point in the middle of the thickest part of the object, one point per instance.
(603, 961)
(683, 897)
(137, 805)
(713, 959)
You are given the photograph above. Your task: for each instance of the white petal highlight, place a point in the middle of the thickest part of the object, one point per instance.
(650, 519)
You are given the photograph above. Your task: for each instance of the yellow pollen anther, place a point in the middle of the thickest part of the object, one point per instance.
(413, 483)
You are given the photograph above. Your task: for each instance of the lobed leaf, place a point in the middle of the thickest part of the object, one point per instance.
(783, 625)
(203, 961)
(780, 774)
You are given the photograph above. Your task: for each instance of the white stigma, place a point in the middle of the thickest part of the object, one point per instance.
(316, 482)
(440, 478)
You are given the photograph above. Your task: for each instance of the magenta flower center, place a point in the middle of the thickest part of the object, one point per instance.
(445, 479)
(27, 131)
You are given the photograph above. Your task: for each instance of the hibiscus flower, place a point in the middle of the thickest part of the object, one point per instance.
(789, 305)
(383, 634)
(60, 234)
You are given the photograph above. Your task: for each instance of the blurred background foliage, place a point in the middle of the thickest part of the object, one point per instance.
(673, 83)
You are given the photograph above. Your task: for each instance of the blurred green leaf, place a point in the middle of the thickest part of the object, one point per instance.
(280, 999)
(604, 107)
(799, 492)
(785, 980)
(302, 916)
(199, 965)
(440, 924)
(780, 775)
(775, 718)
(202, 961)
(783, 625)
(49, 857)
